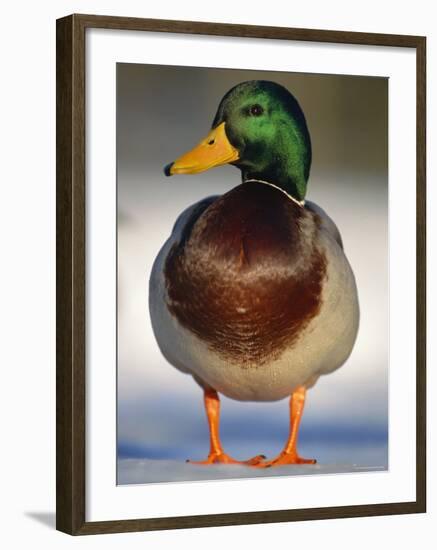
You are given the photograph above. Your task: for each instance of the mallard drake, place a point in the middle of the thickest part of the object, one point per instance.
(252, 294)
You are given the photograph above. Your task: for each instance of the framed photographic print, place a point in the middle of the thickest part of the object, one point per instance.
(240, 274)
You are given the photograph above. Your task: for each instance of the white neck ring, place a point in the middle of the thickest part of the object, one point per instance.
(300, 203)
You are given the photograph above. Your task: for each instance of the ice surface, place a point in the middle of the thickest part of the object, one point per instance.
(361, 458)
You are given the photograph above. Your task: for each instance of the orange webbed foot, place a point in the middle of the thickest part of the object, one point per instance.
(289, 454)
(223, 458)
(284, 459)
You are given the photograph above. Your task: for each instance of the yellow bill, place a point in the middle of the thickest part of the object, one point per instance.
(214, 150)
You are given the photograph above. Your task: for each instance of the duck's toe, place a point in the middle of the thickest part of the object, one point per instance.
(284, 459)
(224, 458)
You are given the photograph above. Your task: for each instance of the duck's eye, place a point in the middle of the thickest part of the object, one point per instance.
(256, 110)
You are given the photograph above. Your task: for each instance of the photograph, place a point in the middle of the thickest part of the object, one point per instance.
(252, 274)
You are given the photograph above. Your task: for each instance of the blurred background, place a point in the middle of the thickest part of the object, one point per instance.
(161, 113)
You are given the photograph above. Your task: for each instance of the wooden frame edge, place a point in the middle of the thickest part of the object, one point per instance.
(421, 463)
(246, 31)
(70, 274)
(246, 518)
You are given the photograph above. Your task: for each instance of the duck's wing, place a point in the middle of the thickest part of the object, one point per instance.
(185, 221)
(167, 335)
(326, 222)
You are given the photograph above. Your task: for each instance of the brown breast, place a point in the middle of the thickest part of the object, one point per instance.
(246, 277)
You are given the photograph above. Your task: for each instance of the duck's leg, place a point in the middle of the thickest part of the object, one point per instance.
(216, 453)
(289, 454)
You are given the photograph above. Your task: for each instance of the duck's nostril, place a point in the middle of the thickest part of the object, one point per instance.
(211, 142)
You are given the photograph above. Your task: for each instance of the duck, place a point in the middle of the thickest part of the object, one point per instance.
(252, 295)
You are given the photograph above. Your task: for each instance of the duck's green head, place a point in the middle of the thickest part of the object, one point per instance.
(260, 128)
